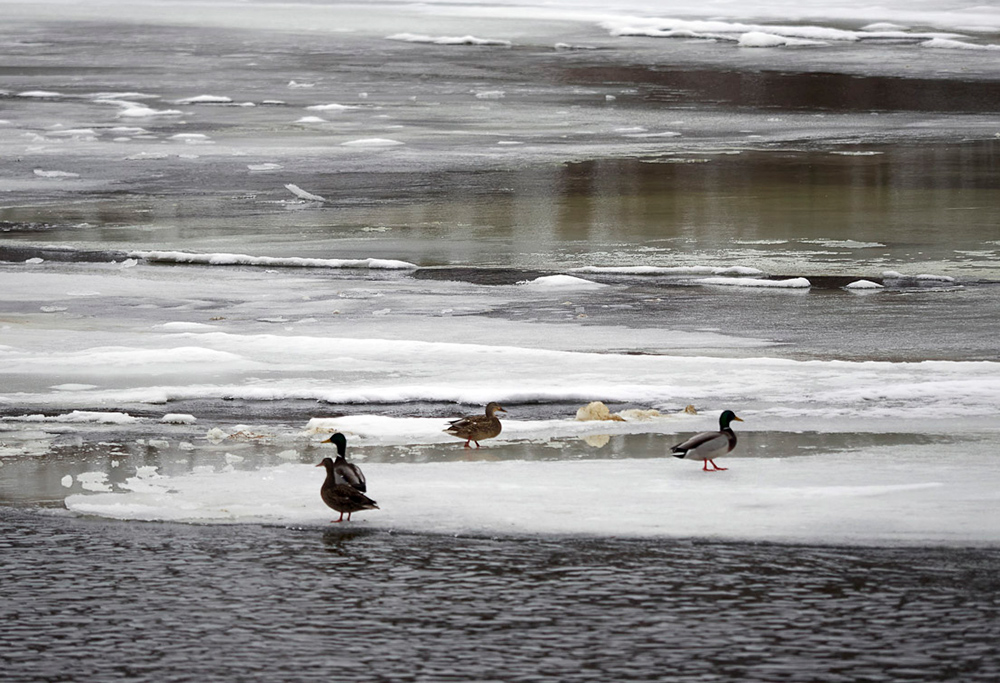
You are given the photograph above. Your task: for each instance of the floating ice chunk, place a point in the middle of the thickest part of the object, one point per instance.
(330, 107)
(372, 142)
(662, 134)
(864, 284)
(761, 39)
(948, 44)
(884, 26)
(94, 481)
(184, 326)
(233, 459)
(297, 84)
(35, 261)
(86, 134)
(178, 419)
(490, 94)
(58, 175)
(846, 244)
(669, 270)
(311, 119)
(67, 481)
(205, 99)
(142, 111)
(40, 94)
(147, 156)
(448, 40)
(191, 138)
(83, 416)
(791, 283)
(268, 261)
(926, 277)
(561, 282)
(265, 167)
(302, 194)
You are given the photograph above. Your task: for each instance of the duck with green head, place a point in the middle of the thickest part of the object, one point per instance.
(706, 446)
(346, 472)
(345, 486)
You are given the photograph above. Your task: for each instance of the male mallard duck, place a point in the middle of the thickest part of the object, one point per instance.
(345, 472)
(342, 497)
(477, 427)
(708, 445)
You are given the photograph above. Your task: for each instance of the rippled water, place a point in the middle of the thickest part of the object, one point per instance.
(91, 600)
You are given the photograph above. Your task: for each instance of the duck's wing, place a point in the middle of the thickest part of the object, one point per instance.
(344, 498)
(350, 474)
(704, 444)
(464, 424)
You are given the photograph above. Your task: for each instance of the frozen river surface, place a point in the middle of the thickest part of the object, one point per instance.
(226, 231)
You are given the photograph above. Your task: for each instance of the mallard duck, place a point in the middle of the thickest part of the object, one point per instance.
(343, 471)
(342, 497)
(708, 445)
(475, 428)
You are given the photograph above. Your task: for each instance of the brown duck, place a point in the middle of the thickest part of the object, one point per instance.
(475, 428)
(342, 497)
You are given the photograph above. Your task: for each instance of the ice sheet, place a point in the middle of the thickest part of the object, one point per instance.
(899, 496)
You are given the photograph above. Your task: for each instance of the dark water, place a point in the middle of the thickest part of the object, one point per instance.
(96, 600)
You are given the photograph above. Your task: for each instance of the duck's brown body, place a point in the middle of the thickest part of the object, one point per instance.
(475, 428)
(343, 498)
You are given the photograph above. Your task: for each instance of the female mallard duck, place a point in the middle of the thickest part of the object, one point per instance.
(708, 445)
(345, 472)
(342, 497)
(475, 428)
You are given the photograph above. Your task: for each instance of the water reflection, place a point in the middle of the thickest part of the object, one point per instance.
(896, 201)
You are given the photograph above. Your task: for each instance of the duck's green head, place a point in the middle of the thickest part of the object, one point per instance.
(338, 440)
(726, 418)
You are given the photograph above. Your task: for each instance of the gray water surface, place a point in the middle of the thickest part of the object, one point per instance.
(96, 600)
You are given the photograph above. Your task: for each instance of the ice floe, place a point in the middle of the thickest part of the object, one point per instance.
(889, 496)
(788, 283)
(449, 40)
(270, 261)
